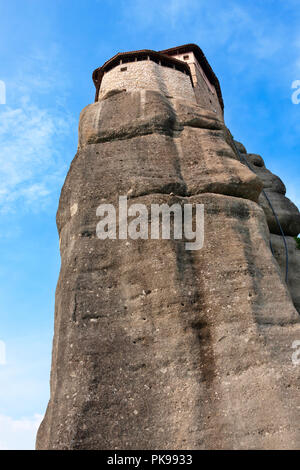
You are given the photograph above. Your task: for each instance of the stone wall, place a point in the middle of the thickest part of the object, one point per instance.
(147, 74)
(206, 95)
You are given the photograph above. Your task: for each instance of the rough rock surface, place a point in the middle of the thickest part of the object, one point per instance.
(288, 216)
(287, 213)
(157, 347)
(294, 264)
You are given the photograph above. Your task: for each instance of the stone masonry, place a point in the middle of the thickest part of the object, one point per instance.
(145, 75)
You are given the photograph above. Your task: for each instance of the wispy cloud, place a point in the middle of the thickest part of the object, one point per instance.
(30, 163)
(18, 434)
(237, 31)
(157, 14)
(32, 132)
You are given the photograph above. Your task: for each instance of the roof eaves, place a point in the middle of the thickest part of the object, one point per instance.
(200, 56)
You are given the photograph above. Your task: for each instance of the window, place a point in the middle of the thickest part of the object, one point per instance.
(185, 57)
(123, 69)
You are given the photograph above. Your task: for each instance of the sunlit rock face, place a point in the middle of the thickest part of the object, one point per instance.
(155, 346)
(289, 218)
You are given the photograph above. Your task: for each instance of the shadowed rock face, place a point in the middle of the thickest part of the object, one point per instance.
(289, 218)
(157, 347)
(294, 264)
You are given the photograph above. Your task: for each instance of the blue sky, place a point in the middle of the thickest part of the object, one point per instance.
(48, 51)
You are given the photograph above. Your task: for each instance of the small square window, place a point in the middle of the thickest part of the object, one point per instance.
(185, 57)
(123, 69)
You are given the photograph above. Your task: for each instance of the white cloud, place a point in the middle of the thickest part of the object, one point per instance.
(234, 30)
(29, 160)
(157, 14)
(177, 10)
(33, 128)
(18, 434)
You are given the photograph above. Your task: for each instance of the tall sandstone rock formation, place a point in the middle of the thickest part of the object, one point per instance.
(157, 347)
